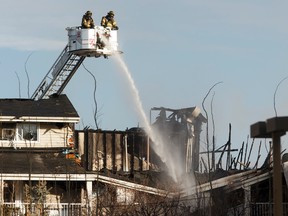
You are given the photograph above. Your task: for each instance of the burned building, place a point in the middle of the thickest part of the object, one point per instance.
(133, 149)
(181, 129)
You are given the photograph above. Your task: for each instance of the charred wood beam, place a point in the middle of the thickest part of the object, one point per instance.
(86, 150)
(238, 156)
(220, 158)
(232, 162)
(122, 144)
(248, 159)
(219, 151)
(204, 164)
(241, 158)
(114, 169)
(132, 157)
(105, 151)
(259, 155)
(229, 148)
(172, 110)
(141, 153)
(245, 155)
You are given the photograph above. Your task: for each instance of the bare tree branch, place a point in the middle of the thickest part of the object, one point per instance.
(213, 133)
(94, 96)
(207, 145)
(274, 98)
(206, 114)
(19, 86)
(28, 85)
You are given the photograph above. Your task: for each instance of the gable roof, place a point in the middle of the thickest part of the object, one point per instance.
(54, 109)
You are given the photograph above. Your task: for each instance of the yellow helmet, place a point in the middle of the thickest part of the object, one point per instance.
(111, 13)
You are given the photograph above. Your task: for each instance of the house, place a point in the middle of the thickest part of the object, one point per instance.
(35, 137)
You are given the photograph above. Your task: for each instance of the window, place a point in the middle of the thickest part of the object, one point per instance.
(8, 133)
(27, 132)
(19, 131)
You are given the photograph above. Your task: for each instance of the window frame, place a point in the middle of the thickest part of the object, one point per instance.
(20, 130)
(8, 133)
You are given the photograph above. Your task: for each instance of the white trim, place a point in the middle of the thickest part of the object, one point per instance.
(39, 119)
(231, 182)
(86, 177)
(48, 177)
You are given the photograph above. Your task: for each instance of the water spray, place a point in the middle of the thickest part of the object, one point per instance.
(162, 151)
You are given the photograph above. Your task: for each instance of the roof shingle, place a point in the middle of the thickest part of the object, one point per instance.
(58, 106)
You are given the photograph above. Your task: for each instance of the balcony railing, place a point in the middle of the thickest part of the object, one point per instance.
(45, 209)
(79, 209)
(266, 209)
(256, 209)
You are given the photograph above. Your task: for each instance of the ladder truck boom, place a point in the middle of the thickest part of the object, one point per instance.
(82, 43)
(59, 74)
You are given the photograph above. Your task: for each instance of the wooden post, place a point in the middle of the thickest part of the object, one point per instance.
(277, 175)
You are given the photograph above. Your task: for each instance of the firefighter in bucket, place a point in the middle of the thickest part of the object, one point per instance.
(87, 20)
(109, 21)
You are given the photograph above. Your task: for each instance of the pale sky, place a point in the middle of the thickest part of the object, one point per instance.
(175, 53)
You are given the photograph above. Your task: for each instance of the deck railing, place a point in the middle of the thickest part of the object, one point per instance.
(256, 209)
(266, 209)
(45, 209)
(79, 209)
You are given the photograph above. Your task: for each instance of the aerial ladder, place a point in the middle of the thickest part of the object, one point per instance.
(82, 43)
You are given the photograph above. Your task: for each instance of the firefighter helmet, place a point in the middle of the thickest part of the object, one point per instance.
(111, 13)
